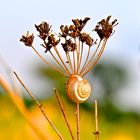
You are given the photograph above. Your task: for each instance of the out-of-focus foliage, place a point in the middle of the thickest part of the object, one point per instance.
(13, 123)
(111, 76)
(114, 124)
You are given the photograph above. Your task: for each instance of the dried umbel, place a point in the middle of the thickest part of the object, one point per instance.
(74, 42)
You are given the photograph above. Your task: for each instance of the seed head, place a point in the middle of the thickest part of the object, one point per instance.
(74, 43)
(104, 28)
(27, 39)
(43, 29)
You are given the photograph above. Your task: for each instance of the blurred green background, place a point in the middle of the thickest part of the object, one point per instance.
(115, 122)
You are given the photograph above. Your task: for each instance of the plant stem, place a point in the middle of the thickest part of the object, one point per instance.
(80, 57)
(96, 59)
(64, 113)
(96, 122)
(58, 61)
(78, 121)
(40, 107)
(74, 63)
(58, 54)
(53, 67)
(90, 61)
(69, 61)
(85, 60)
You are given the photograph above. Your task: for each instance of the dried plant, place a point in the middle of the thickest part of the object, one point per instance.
(67, 49)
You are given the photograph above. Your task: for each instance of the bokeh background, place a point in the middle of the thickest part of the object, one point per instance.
(115, 79)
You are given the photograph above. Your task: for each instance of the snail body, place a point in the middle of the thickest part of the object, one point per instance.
(78, 89)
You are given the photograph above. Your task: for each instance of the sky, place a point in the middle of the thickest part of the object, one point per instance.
(124, 46)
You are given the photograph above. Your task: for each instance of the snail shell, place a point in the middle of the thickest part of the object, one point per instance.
(78, 89)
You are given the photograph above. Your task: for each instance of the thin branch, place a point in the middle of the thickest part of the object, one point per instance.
(86, 59)
(58, 62)
(40, 107)
(77, 59)
(69, 61)
(79, 49)
(81, 55)
(64, 113)
(74, 62)
(88, 63)
(76, 55)
(96, 59)
(53, 67)
(96, 122)
(78, 120)
(57, 52)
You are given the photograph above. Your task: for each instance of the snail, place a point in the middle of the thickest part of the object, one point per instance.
(75, 43)
(78, 89)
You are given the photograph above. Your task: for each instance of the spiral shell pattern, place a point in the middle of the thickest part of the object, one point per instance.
(78, 89)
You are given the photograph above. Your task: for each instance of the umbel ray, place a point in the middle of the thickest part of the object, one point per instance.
(74, 42)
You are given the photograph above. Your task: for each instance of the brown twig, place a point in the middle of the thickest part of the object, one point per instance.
(58, 54)
(103, 45)
(69, 62)
(64, 113)
(74, 63)
(97, 132)
(53, 67)
(57, 61)
(80, 57)
(40, 107)
(78, 120)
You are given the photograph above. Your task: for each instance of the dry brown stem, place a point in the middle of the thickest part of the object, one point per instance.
(40, 107)
(78, 121)
(97, 132)
(64, 113)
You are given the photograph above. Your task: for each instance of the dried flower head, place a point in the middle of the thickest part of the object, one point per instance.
(79, 23)
(27, 39)
(43, 29)
(69, 46)
(51, 42)
(104, 28)
(84, 37)
(74, 43)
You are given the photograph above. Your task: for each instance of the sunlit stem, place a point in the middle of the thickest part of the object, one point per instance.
(78, 120)
(96, 122)
(97, 58)
(69, 61)
(80, 58)
(86, 60)
(40, 107)
(58, 61)
(79, 48)
(53, 67)
(74, 62)
(77, 54)
(88, 63)
(64, 113)
(57, 52)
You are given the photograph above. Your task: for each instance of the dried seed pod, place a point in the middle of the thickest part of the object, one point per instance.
(27, 39)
